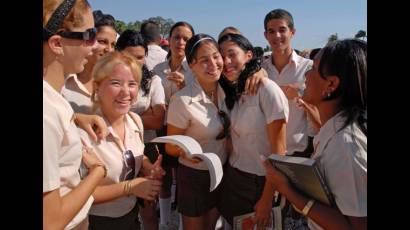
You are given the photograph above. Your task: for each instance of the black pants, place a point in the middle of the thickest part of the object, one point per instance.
(127, 222)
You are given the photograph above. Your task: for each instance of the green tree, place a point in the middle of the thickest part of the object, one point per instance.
(121, 26)
(333, 37)
(165, 24)
(361, 34)
(267, 48)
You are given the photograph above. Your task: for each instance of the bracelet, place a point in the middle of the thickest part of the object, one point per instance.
(98, 165)
(307, 207)
(127, 187)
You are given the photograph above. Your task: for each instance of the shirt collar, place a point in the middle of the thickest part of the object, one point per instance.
(198, 94)
(294, 60)
(130, 126)
(79, 85)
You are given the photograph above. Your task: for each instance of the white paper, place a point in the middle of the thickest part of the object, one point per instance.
(192, 148)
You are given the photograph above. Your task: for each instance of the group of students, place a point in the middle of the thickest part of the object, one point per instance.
(103, 101)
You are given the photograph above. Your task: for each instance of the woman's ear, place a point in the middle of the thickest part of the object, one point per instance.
(54, 42)
(249, 55)
(332, 82)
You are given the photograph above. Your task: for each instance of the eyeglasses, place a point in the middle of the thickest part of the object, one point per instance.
(88, 36)
(129, 161)
(226, 123)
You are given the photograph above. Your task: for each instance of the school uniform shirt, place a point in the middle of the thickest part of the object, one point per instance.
(155, 56)
(112, 156)
(155, 96)
(77, 95)
(249, 119)
(191, 109)
(298, 129)
(170, 88)
(342, 160)
(62, 149)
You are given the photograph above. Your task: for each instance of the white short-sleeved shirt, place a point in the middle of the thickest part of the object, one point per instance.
(62, 149)
(297, 129)
(77, 95)
(170, 87)
(155, 56)
(191, 110)
(155, 96)
(342, 160)
(249, 119)
(112, 156)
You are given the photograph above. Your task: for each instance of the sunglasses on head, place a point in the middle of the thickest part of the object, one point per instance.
(88, 36)
(129, 161)
(226, 123)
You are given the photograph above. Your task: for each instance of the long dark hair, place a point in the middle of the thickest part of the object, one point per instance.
(134, 38)
(347, 59)
(186, 24)
(233, 91)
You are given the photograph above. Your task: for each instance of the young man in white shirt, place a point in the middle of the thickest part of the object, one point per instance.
(287, 69)
(150, 31)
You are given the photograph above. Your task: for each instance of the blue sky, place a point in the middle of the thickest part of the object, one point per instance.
(315, 20)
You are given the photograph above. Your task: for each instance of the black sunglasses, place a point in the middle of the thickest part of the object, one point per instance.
(88, 36)
(226, 123)
(129, 161)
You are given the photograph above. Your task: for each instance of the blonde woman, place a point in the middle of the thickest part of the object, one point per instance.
(116, 79)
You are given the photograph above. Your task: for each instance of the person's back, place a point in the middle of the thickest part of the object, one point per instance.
(151, 33)
(288, 69)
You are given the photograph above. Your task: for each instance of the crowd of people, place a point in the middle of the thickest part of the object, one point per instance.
(107, 95)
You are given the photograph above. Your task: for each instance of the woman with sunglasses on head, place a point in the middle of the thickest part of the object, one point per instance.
(68, 37)
(78, 87)
(336, 84)
(150, 105)
(116, 79)
(195, 111)
(258, 124)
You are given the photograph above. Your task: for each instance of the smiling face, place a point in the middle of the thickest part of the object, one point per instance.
(180, 35)
(117, 92)
(207, 64)
(234, 59)
(106, 38)
(315, 85)
(278, 34)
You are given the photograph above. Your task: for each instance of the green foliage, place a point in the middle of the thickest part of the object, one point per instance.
(267, 48)
(165, 25)
(333, 37)
(361, 34)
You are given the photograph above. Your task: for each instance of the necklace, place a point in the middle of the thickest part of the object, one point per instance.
(210, 94)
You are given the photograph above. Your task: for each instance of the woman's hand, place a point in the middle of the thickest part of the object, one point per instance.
(91, 161)
(275, 177)
(145, 188)
(312, 113)
(157, 172)
(94, 125)
(291, 91)
(263, 217)
(252, 83)
(194, 160)
(178, 78)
